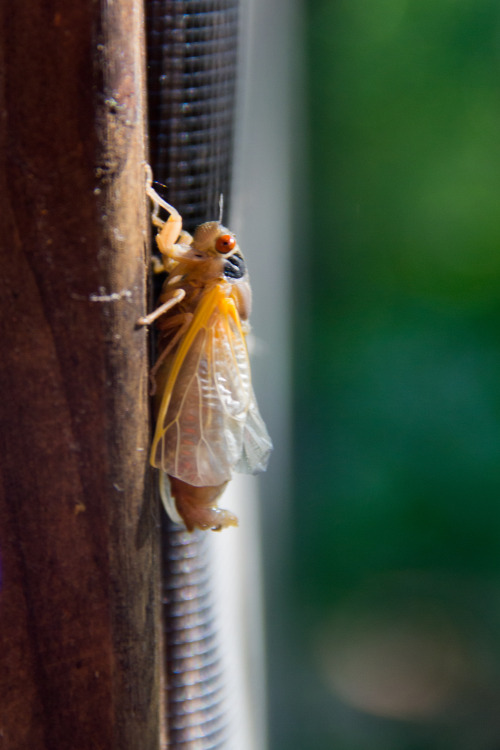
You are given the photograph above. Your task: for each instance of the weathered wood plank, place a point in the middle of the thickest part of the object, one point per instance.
(78, 542)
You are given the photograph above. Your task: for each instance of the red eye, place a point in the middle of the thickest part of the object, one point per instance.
(225, 243)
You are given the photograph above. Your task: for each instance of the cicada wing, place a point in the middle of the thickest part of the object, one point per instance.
(201, 423)
(257, 445)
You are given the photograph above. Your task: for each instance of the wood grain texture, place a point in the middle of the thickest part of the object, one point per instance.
(78, 541)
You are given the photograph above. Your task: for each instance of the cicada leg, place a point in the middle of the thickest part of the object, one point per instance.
(171, 229)
(174, 300)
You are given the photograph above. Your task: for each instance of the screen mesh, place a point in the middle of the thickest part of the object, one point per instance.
(192, 52)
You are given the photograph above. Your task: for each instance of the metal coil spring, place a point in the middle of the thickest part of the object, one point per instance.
(195, 697)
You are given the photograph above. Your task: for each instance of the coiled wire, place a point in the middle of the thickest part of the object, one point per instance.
(196, 698)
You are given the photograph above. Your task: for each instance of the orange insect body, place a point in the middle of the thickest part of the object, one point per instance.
(207, 420)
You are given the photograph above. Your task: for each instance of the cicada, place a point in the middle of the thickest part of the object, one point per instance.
(207, 420)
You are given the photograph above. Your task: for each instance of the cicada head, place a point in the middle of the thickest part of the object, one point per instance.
(218, 243)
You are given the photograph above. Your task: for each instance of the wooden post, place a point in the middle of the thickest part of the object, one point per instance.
(78, 541)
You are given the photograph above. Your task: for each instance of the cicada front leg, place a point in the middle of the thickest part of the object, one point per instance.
(170, 230)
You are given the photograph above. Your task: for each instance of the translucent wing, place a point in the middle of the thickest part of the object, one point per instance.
(257, 444)
(208, 422)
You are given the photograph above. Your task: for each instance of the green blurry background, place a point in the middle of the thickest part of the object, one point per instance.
(394, 578)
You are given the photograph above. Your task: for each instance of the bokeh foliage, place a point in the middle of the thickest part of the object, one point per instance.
(397, 347)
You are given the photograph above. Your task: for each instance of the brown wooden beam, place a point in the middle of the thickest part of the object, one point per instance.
(78, 541)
